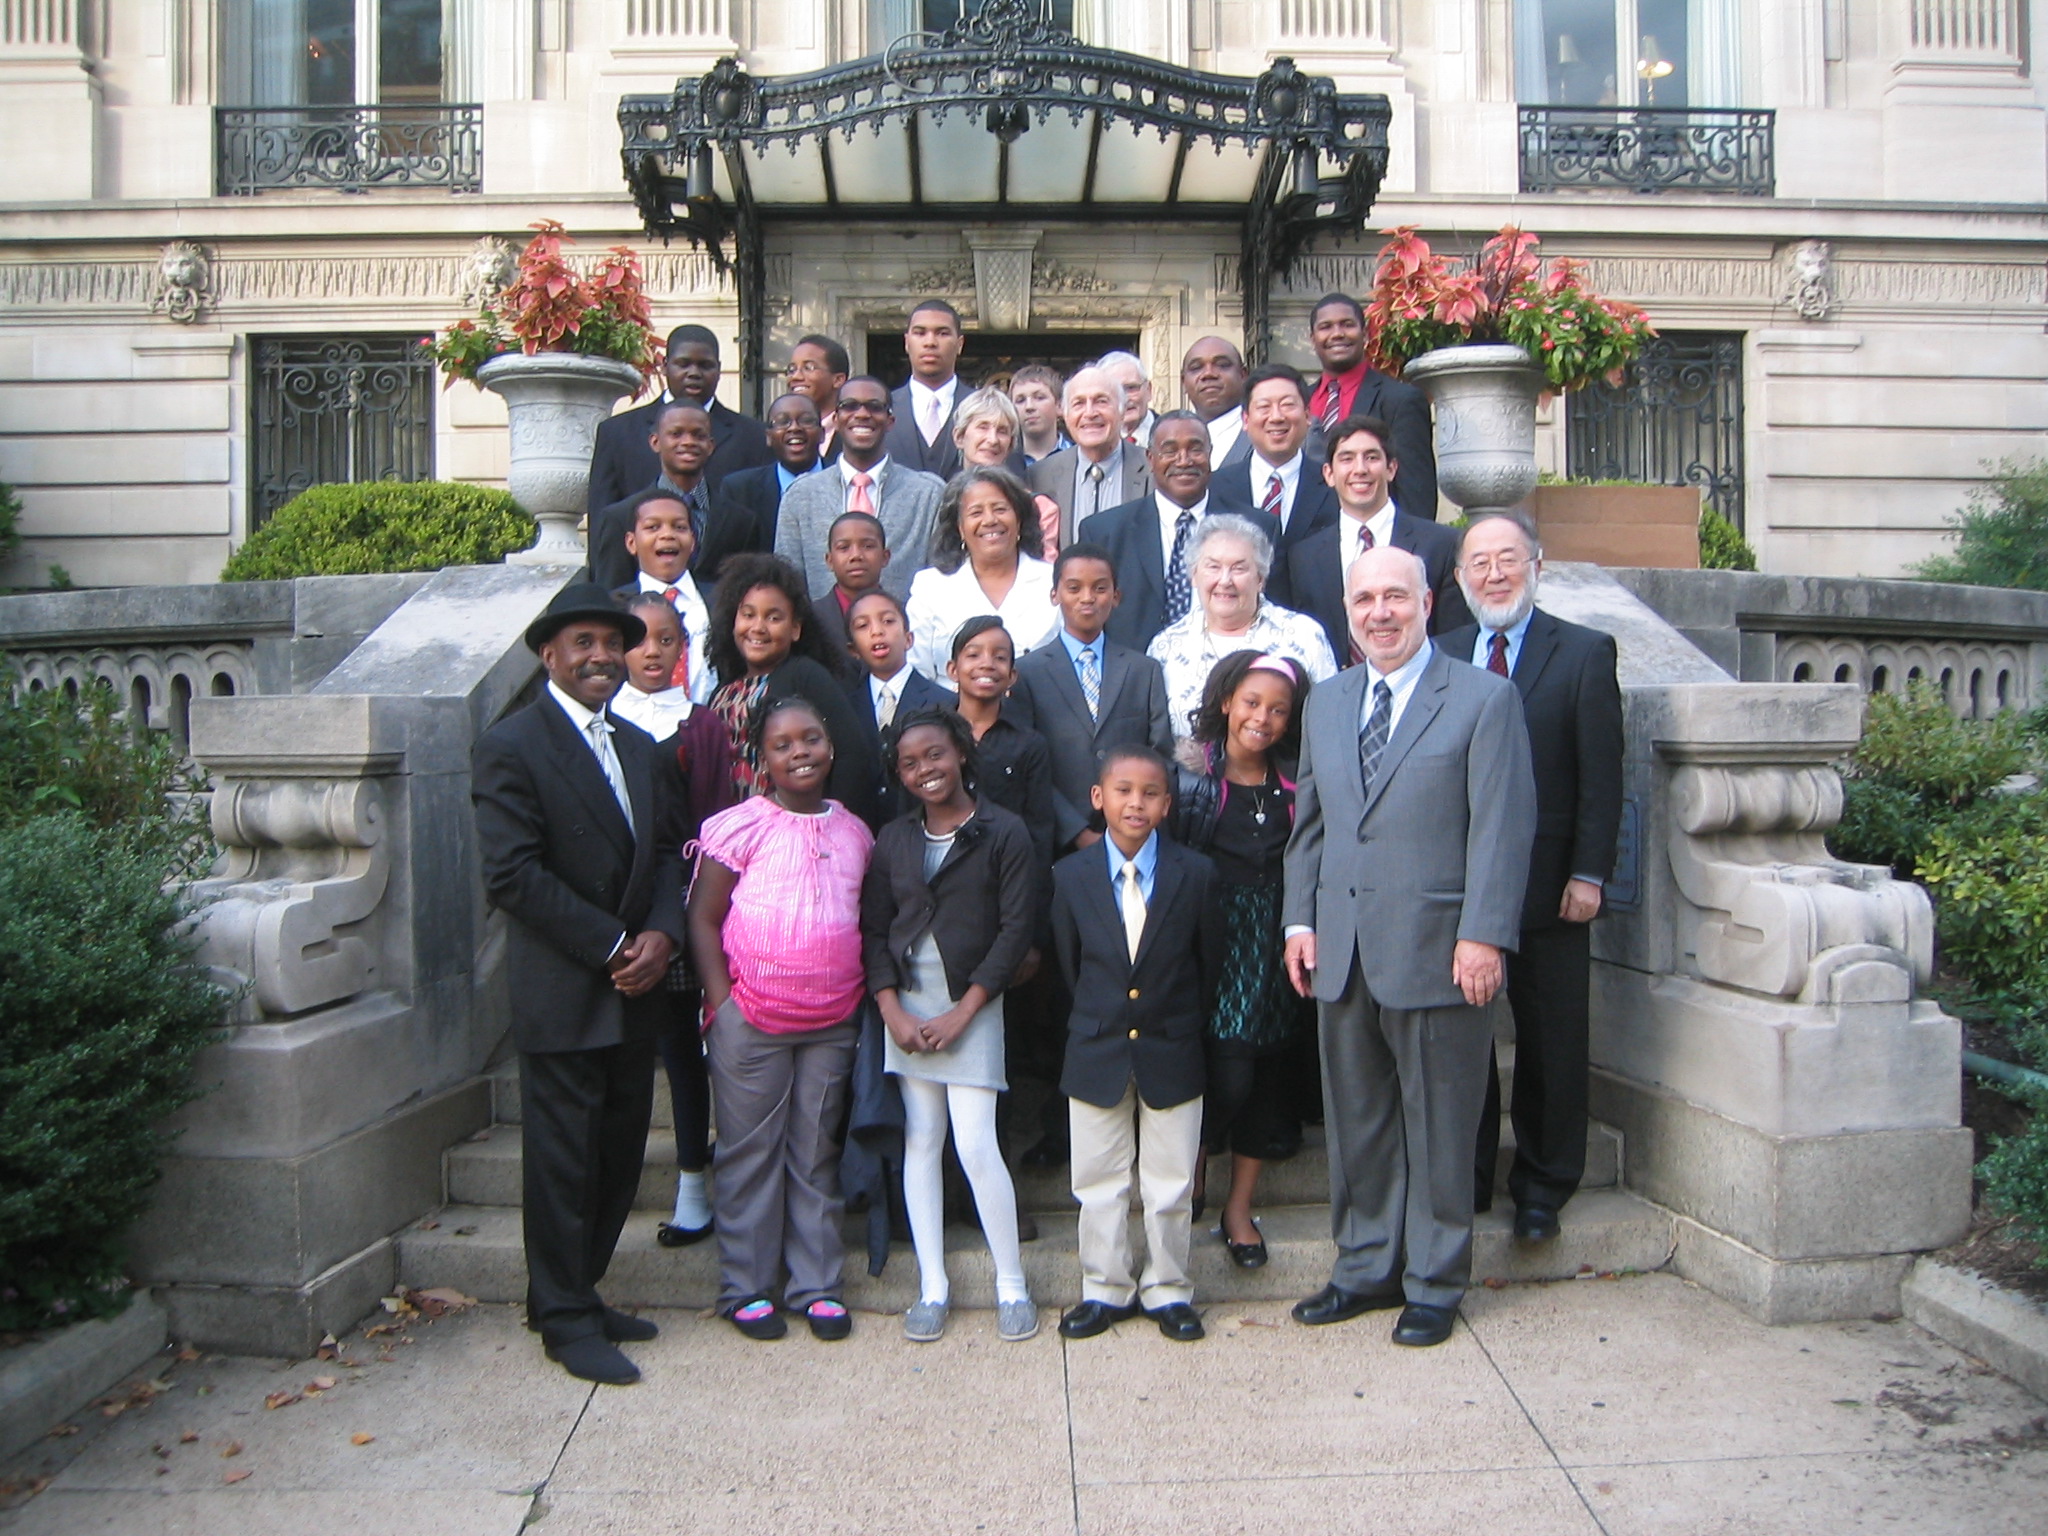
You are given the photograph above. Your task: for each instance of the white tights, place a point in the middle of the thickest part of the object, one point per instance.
(973, 1114)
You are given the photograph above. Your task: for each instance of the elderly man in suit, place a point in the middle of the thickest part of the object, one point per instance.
(622, 460)
(922, 436)
(1212, 379)
(865, 479)
(1101, 470)
(1361, 470)
(1414, 812)
(1571, 702)
(1352, 387)
(576, 820)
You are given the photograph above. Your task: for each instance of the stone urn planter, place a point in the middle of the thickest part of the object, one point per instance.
(554, 402)
(1485, 398)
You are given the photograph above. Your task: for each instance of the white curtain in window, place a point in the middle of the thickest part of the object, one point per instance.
(461, 50)
(266, 52)
(1532, 69)
(1714, 43)
(891, 19)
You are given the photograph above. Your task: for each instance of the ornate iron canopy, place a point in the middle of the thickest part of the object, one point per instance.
(1005, 117)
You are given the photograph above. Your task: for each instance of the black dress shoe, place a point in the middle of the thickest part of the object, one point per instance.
(623, 1329)
(1093, 1317)
(1421, 1325)
(1251, 1255)
(1178, 1321)
(595, 1358)
(1333, 1304)
(1482, 1201)
(1536, 1223)
(669, 1235)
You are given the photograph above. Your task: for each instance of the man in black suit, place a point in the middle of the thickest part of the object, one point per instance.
(683, 446)
(818, 365)
(576, 820)
(1348, 387)
(1281, 477)
(743, 513)
(1571, 703)
(922, 434)
(1148, 538)
(1361, 470)
(622, 461)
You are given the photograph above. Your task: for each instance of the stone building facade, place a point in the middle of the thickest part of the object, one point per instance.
(223, 222)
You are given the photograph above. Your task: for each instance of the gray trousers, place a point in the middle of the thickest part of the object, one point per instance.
(777, 1101)
(1402, 1091)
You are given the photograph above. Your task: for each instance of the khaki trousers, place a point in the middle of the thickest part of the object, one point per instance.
(1162, 1144)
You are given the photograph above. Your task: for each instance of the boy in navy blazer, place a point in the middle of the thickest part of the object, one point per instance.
(1136, 930)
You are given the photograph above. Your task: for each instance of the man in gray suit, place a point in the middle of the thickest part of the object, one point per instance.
(1101, 470)
(867, 480)
(1415, 810)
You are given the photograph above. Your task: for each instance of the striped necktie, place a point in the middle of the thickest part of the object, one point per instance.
(1270, 505)
(1331, 396)
(1372, 741)
(1091, 682)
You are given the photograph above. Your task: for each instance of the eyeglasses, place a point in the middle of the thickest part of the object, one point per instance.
(808, 365)
(856, 406)
(1486, 565)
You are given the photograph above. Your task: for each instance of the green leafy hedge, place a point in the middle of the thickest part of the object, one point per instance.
(101, 1010)
(381, 526)
(2002, 535)
(1722, 546)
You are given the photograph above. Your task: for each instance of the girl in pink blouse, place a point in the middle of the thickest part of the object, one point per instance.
(775, 929)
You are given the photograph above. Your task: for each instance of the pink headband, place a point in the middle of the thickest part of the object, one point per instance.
(1271, 663)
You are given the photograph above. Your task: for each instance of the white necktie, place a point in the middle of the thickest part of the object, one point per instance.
(1134, 909)
(885, 707)
(933, 419)
(600, 732)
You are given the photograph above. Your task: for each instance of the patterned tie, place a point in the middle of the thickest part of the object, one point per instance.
(1094, 491)
(1372, 741)
(1134, 909)
(600, 733)
(858, 499)
(1331, 396)
(1180, 592)
(885, 707)
(1365, 539)
(1091, 682)
(1497, 655)
(1274, 490)
(679, 675)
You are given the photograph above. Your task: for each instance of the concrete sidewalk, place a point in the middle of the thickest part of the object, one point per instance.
(1633, 1406)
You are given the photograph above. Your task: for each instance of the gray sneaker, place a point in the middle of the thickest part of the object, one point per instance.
(925, 1321)
(1016, 1321)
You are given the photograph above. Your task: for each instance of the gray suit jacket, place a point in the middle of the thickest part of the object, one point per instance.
(1440, 850)
(1047, 697)
(1054, 474)
(814, 503)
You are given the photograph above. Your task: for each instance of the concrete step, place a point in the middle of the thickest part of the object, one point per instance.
(485, 1171)
(477, 1249)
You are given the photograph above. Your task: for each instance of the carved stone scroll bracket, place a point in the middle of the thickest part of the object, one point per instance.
(1770, 909)
(304, 871)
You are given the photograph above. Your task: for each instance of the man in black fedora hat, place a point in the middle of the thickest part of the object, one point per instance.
(575, 819)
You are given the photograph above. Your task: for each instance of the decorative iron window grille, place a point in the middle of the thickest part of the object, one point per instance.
(1675, 420)
(327, 410)
(350, 149)
(1648, 149)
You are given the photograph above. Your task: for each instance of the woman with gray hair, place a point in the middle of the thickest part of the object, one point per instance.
(1229, 559)
(985, 430)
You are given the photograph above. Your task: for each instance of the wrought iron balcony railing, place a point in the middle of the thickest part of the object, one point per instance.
(1648, 149)
(349, 148)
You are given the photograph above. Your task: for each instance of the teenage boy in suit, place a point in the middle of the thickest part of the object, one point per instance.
(1085, 694)
(1137, 932)
(887, 688)
(856, 550)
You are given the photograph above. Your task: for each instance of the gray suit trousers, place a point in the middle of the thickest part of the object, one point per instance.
(1402, 1093)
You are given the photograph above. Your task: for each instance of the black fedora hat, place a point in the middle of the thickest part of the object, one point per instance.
(584, 600)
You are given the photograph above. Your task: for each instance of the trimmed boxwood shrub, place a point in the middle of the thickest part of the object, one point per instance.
(1722, 546)
(382, 526)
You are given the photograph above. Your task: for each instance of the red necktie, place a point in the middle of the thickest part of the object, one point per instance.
(1332, 395)
(1271, 505)
(679, 676)
(1497, 655)
(1365, 538)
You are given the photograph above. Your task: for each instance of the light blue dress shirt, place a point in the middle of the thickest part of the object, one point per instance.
(1147, 860)
(1515, 634)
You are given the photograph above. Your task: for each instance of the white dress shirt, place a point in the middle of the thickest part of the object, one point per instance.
(941, 601)
(1224, 432)
(1169, 514)
(928, 405)
(659, 714)
(606, 755)
(1290, 483)
(695, 617)
(1382, 525)
(875, 476)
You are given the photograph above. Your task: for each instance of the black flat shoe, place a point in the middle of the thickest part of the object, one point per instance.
(1093, 1317)
(621, 1328)
(1422, 1325)
(1251, 1255)
(1178, 1321)
(769, 1325)
(1536, 1223)
(669, 1235)
(829, 1326)
(1334, 1304)
(595, 1358)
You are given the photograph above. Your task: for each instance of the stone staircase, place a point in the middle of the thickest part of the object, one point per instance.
(473, 1242)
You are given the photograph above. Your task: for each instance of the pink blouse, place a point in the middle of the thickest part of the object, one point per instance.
(792, 936)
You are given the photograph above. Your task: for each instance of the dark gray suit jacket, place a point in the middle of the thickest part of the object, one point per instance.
(1054, 474)
(1048, 699)
(906, 445)
(1438, 852)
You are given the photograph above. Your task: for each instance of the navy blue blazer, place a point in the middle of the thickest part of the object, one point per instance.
(621, 460)
(917, 692)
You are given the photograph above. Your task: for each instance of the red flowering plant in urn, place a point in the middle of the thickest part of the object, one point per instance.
(551, 307)
(1422, 301)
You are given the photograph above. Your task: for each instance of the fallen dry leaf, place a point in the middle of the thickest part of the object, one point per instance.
(234, 1449)
(398, 1304)
(330, 1347)
(188, 1354)
(236, 1477)
(438, 1300)
(188, 1437)
(281, 1399)
(62, 1431)
(321, 1384)
(381, 1328)
(361, 1437)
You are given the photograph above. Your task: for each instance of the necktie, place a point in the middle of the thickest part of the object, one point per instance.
(858, 499)
(1094, 491)
(1134, 909)
(1331, 396)
(1091, 682)
(1180, 592)
(1497, 655)
(934, 418)
(679, 677)
(600, 733)
(1271, 504)
(1372, 741)
(885, 707)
